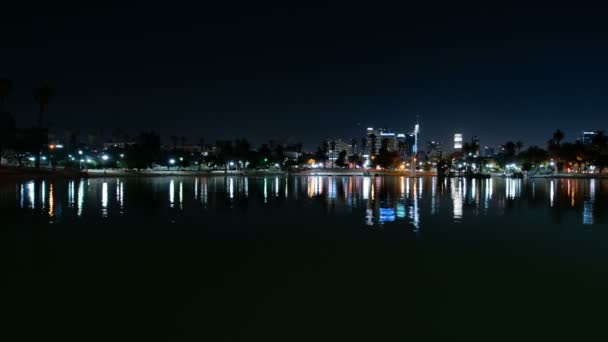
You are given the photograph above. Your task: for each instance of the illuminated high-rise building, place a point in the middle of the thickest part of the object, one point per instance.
(458, 141)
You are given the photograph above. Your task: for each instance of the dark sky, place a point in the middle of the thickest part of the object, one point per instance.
(309, 73)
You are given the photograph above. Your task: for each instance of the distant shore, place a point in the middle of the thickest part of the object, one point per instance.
(15, 172)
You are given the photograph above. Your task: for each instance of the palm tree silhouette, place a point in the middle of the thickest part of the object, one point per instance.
(42, 96)
(558, 136)
(519, 145)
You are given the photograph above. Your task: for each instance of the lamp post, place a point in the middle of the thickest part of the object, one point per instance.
(104, 159)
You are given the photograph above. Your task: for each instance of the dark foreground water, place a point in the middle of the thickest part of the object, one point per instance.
(302, 258)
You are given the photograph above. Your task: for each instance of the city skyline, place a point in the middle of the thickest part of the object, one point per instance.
(305, 73)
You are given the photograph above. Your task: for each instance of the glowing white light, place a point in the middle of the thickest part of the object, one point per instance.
(552, 192)
(104, 199)
(231, 188)
(171, 161)
(171, 193)
(80, 205)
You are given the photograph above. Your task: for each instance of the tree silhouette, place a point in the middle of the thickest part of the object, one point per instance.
(519, 145)
(42, 96)
(558, 136)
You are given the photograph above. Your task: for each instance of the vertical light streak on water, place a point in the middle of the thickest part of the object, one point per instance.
(320, 184)
(286, 188)
(266, 190)
(71, 194)
(420, 188)
(204, 191)
(473, 188)
(181, 195)
(366, 187)
(588, 205)
(246, 186)
(51, 201)
(373, 191)
(434, 196)
(488, 194)
(104, 199)
(43, 195)
(171, 194)
(276, 186)
(80, 205)
(331, 187)
(457, 195)
(21, 196)
(551, 192)
(31, 195)
(121, 197)
(416, 211)
(196, 188)
(231, 187)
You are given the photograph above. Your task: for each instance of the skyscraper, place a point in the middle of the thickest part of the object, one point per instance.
(458, 141)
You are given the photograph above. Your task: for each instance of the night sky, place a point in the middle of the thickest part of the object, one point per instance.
(309, 73)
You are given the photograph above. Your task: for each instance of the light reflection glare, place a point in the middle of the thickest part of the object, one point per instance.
(231, 188)
(552, 192)
(30, 195)
(104, 199)
(80, 205)
(171, 194)
(51, 201)
(457, 196)
(366, 187)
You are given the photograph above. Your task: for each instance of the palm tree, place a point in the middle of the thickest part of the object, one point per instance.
(558, 136)
(519, 145)
(6, 88)
(42, 96)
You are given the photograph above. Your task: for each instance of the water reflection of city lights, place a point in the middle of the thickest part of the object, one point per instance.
(386, 215)
(457, 198)
(31, 197)
(551, 192)
(51, 201)
(231, 187)
(366, 187)
(71, 191)
(80, 203)
(181, 195)
(171, 193)
(43, 195)
(104, 199)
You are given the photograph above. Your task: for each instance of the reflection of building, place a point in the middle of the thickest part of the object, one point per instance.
(458, 141)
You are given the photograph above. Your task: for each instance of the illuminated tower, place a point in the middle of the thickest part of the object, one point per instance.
(458, 141)
(415, 147)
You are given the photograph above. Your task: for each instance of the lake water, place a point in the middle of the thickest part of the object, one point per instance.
(303, 258)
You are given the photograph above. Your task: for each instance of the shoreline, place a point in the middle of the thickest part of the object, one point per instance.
(13, 172)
